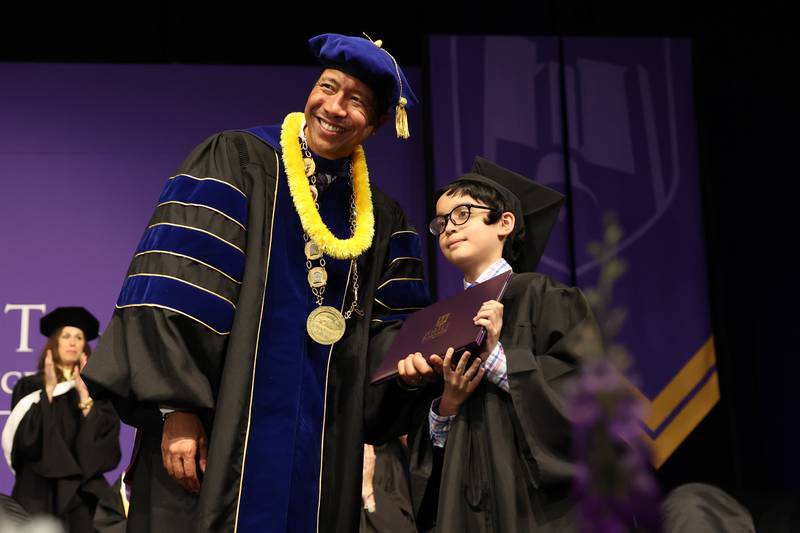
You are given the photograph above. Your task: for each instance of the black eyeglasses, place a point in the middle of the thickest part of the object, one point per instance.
(458, 216)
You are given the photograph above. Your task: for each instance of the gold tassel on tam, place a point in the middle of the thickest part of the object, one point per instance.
(400, 114)
(401, 119)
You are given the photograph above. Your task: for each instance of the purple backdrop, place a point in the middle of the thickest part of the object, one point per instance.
(632, 145)
(85, 152)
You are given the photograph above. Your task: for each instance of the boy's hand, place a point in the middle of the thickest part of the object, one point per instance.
(458, 383)
(415, 371)
(490, 316)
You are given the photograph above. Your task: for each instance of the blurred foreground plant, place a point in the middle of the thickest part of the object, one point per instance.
(614, 483)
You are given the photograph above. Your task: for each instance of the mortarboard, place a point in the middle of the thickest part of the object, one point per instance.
(77, 317)
(535, 209)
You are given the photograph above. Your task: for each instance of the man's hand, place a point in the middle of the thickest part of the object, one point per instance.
(183, 440)
(415, 371)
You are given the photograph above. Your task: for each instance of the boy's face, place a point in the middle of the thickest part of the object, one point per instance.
(475, 243)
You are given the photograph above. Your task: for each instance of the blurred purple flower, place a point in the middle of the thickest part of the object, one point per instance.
(613, 483)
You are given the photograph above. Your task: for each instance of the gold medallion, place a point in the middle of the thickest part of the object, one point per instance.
(312, 251)
(325, 325)
(309, 166)
(317, 277)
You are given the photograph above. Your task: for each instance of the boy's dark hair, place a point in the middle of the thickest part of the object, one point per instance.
(491, 197)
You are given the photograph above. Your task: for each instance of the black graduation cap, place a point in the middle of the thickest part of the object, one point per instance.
(535, 209)
(77, 317)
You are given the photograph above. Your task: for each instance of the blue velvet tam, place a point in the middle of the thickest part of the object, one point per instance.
(369, 62)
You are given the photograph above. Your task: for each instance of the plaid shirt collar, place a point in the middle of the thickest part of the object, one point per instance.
(497, 268)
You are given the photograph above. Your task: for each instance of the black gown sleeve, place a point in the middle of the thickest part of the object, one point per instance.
(40, 442)
(97, 443)
(27, 445)
(543, 357)
(401, 290)
(23, 387)
(166, 341)
(57, 451)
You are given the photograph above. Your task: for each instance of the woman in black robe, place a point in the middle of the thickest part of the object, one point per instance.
(58, 441)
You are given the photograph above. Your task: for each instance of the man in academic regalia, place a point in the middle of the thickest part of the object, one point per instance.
(268, 284)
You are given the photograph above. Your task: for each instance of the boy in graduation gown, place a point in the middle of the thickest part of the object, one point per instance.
(492, 453)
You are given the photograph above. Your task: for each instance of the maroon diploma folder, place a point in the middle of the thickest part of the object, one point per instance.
(445, 324)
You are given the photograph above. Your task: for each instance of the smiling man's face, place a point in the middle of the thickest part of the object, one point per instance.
(340, 114)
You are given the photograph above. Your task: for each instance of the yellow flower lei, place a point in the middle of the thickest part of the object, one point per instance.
(304, 203)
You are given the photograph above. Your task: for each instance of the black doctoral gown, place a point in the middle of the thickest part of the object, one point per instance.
(196, 349)
(506, 466)
(59, 456)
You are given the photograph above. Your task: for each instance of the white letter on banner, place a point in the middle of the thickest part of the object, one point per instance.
(25, 320)
(4, 381)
